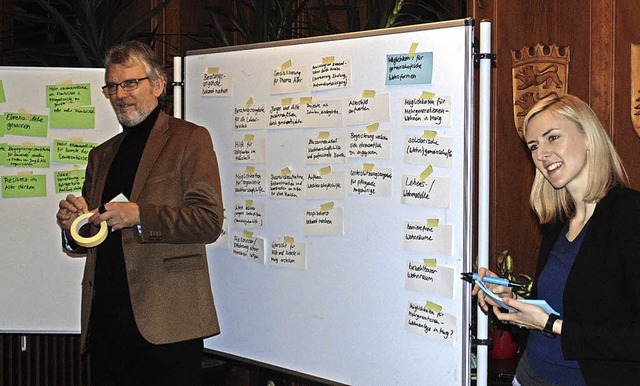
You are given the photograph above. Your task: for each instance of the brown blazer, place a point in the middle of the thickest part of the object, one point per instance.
(177, 188)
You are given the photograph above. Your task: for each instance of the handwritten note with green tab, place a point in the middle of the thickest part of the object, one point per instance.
(31, 125)
(24, 186)
(73, 117)
(28, 156)
(69, 181)
(75, 94)
(72, 152)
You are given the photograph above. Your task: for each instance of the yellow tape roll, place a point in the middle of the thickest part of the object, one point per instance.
(92, 241)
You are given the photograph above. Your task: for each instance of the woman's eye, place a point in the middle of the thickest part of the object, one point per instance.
(552, 138)
(533, 148)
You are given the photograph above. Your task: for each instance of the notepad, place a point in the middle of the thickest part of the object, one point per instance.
(498, 300)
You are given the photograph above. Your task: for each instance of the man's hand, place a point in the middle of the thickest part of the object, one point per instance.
(69, 209)
(118, 215)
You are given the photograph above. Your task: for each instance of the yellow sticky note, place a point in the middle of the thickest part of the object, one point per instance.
(306, 100)
(248, 234)
(289, 240)
(372, 128)
(22, 110)
(429, 305)
(429, 262)
(250, 169)
(249, 102)
(76, 140)
(285, 171)
(368, 167)
(328, 59)
(327, 206)
(428, 95)
(426, 173)
(412, 50)
(324, 135)
(368, 94)
(433, 222)
(286, 64)
(429, 134)
(248, 203)
(286, 101)
(212, 70)
(65, 82)
(249, 137)
(25, 173)
(75, 171)
(324, 170)
(28, 144)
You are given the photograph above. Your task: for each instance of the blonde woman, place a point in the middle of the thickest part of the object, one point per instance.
(589, 262)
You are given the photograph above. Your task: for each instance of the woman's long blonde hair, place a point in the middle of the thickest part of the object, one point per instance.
(605, 167)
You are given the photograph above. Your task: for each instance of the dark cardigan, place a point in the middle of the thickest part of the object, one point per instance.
(601, 321)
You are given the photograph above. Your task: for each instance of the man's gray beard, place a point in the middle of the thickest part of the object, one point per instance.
(136, 119)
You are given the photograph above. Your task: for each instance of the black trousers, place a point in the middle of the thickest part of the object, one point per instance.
(119, 355)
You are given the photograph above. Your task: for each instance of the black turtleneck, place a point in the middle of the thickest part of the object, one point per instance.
(111, 289)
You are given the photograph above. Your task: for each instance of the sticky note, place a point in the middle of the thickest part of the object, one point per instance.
(412, 50)
(429, 305)
(426, 173)
(430, 134)
(324, 170)
(372, 128)
(433, 222)
(429, 263)
(327, 206)
(368, 94)
(286, 64)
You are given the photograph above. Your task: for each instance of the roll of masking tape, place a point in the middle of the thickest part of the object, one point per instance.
(92, 241)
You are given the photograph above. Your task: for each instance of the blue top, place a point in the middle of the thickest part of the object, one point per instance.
(545, 354)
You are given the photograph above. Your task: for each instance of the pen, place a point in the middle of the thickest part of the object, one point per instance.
(491, 280)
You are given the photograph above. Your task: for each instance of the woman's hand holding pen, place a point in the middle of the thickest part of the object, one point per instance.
(528, 316)
(502, 291)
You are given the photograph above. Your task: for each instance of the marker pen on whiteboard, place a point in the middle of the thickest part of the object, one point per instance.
(491, 280)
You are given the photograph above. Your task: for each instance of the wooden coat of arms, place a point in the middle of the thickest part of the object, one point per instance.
(538, 72)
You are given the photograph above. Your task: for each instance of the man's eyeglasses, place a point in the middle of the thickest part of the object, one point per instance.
(126, 85)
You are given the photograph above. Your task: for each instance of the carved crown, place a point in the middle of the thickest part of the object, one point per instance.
(540, 52)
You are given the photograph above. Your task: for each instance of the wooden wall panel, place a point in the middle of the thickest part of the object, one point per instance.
(626, 32)
(599, 34)
(42, 360)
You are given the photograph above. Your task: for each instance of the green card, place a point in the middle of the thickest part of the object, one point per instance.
(72, 152)
(3, 98)
(24, 186)
(29, 125)
(73, 117)
(75, 94)
(28, 156)
(3, 154)
(69, 181)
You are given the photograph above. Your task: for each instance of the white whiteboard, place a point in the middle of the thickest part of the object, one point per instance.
(343, 317)
(40, 284)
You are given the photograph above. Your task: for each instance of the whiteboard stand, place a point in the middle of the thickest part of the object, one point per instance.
(484, 172)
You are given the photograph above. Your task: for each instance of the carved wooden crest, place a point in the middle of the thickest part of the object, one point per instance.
(537, 72)
(635, 86)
